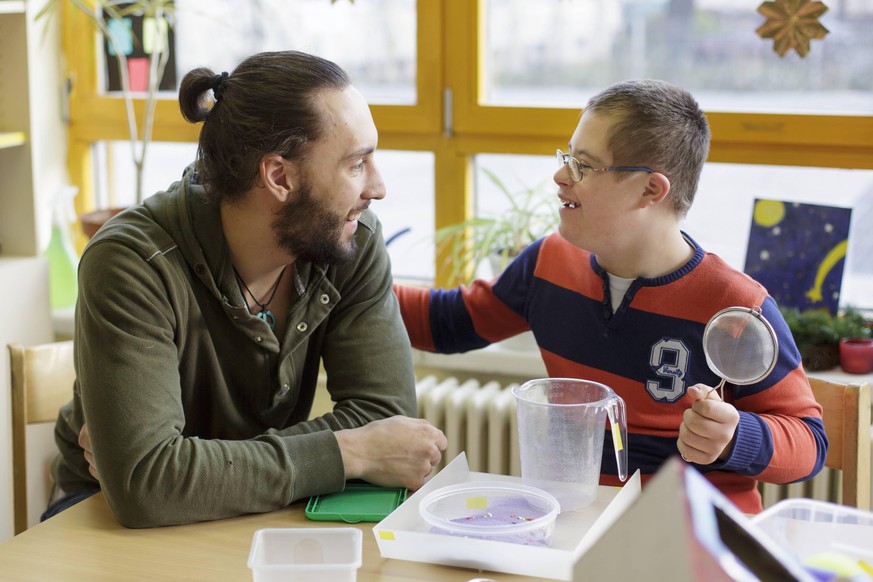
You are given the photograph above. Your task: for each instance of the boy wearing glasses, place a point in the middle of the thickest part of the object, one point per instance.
(621, 296)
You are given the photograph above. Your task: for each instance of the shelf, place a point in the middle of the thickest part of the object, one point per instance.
(10, 139)
(11, 7)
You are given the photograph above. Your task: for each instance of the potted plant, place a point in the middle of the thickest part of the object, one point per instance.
(102, 13)
(856, 355)
(819, 335)
(856, 345)
(498, 237)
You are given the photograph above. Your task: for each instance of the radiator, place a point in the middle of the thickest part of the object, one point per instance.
(826, 486)
(479, 418)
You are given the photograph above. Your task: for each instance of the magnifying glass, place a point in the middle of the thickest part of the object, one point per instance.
(740, 346)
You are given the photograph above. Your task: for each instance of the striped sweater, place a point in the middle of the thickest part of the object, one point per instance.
(649, 351)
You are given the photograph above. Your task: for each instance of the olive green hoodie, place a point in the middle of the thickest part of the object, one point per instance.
(195, 410)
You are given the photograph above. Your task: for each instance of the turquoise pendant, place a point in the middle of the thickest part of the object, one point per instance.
(268, 316)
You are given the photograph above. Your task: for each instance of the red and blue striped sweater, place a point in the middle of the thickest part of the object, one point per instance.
(649, 351)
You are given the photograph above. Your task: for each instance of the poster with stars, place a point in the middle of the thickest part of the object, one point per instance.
(798, 251)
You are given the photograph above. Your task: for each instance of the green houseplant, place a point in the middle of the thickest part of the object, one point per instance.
(498, 237)
(817, 334)
(101, 13)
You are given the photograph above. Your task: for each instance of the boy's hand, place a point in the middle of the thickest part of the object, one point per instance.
(708, 427)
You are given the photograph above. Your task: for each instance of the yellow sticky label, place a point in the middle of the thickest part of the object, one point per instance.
(386, 535)
(616, 437)
(477, 502)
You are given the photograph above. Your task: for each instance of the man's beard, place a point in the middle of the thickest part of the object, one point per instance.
(311, 232)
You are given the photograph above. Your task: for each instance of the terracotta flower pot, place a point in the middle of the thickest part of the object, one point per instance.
(92, 221)
(856, 355)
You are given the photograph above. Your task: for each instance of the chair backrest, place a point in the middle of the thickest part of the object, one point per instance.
(846, 415)
(42, 382)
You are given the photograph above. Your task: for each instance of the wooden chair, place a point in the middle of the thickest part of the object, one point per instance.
(846, 476)
(42, 381)
(846, 414)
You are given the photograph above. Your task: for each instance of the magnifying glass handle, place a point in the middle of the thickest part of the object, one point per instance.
(720, 389)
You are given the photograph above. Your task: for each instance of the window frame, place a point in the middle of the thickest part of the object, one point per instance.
(451, 119)
(838, 141)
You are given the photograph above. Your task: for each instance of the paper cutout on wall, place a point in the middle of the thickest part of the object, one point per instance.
(120, 30)
(798, 251)
(133, 35)
(138, 73)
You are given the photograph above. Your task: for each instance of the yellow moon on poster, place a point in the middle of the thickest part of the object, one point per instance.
(769, 213)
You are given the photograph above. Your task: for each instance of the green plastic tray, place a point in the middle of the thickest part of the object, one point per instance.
(359, 502)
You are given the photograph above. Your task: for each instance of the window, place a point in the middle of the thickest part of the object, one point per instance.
(723, 227)
(461, 85)
(561, 53)
(377, 48)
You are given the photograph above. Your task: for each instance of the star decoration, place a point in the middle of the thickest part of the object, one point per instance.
(792, 24)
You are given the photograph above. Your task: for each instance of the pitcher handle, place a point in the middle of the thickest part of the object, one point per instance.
(618, 427)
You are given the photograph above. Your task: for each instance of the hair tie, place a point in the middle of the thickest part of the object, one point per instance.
(219, 84)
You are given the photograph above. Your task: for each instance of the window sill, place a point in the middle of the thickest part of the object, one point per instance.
(494, 359)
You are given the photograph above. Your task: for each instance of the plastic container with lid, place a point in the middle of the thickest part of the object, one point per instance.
(306, 554)
(819, 531)
(496, 511)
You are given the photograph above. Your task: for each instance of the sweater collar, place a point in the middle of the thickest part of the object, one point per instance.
(689, 266)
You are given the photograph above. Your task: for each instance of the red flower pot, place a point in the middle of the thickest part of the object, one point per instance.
(856, 355)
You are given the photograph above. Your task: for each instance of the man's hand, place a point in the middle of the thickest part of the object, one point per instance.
(708, 427)
(394, 452)
(85, 443)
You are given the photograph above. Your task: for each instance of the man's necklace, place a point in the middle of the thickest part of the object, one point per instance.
(264, 313)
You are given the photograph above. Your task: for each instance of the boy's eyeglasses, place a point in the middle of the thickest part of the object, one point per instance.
(578, 169)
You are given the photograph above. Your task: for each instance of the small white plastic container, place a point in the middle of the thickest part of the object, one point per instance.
(306, 554)
(497, 511)
(807, 528)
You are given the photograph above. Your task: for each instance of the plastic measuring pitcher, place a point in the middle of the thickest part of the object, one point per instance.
(561, 425)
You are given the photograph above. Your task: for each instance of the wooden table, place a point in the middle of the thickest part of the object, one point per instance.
(87, 543)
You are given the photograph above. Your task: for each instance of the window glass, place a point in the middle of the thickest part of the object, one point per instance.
(559, 53)
(373, 40)
(721, 216)
(114, 171)
(406, 212)
(501, 181)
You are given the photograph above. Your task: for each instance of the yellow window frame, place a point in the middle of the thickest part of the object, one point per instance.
(451, 119)
(838, 141)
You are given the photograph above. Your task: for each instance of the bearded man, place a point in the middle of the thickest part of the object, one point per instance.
(205, 314)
